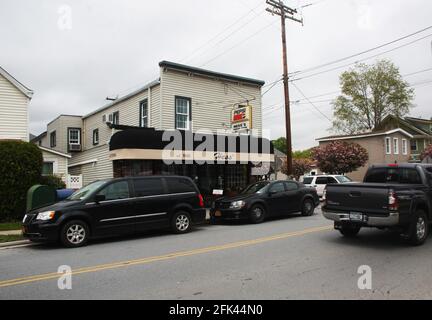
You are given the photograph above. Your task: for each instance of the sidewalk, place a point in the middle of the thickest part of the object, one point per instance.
(10, 232)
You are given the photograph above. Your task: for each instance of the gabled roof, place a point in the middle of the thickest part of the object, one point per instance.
(65, 155)
(37, 138)
(26, 91)
(364, 135)
(182, 67)
(133, 93)
(405, 122)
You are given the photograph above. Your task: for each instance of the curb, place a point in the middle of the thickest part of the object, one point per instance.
(14, 243)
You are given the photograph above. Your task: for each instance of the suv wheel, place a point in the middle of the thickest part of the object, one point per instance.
(181, 222)
(74, 234)
(308, 207)
(256, 214)
(349, 231)
(418, 230)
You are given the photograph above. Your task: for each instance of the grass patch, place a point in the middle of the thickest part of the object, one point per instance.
(10, 238)
(6, 226)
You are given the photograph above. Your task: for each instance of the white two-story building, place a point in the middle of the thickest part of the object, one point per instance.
(182, 97)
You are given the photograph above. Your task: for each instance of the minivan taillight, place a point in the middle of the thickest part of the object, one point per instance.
(393, 201)
(201, 200)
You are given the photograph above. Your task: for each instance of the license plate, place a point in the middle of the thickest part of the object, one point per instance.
(356, 216)
(218, 213)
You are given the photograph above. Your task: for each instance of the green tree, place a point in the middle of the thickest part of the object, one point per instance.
(20, 168)
(302, 154)
(280, 144)
(369, 94)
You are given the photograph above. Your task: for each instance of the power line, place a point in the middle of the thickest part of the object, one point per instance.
(219, 34)
(239, 43)
(417, 72)
(360, 60)
(310, 102)
(360, 53)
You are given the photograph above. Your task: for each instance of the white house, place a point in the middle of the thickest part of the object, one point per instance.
(14, 103)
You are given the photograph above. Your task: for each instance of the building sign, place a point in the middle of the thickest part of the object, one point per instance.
(241, 118)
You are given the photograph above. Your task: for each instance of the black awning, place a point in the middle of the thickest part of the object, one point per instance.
(149, 138)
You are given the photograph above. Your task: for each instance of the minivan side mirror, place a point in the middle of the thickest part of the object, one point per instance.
(99, 198)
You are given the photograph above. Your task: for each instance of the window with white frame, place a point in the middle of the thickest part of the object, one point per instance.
(182, 113)
(395, 145)
(388, 145)
(116, 118)
(95, 137)
(414, 146)
(404, 146)
(144, 123)
(48, 168)
(74, 136)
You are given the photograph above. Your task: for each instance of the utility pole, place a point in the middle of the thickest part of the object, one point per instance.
(280, 9)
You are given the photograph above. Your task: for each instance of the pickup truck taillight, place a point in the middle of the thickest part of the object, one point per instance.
(393, 201)
(324, 195)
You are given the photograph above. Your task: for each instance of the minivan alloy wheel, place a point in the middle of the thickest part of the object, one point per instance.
(76, 234)
(420, 228)
(182, 222)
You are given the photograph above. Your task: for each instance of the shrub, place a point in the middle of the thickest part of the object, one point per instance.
(53, 181)
(340, 157)
(20, 168)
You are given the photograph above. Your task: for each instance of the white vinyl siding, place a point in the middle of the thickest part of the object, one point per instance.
(60, 126)
(59, 164)
(212, 100)
(13, 112)
(102, 168)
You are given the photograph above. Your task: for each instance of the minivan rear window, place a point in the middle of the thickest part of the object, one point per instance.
(180, 185)
(393, 175)
(148, 187)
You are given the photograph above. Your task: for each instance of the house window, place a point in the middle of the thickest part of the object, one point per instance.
(48, 168)
(414, 146)
(53, 140)
(182, 113)
(388, 145)
(144, 114)
(395, 145)
(74, 136)
(116, 118)
(404, 147)
(95, 137)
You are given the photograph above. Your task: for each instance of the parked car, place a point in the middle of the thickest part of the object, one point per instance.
(118, 206)
(393, 196)
(319, 182)
(266, 199)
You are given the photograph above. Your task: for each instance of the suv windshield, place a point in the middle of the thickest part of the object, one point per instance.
(258, 187)
(307, 180)
(87, 190)
(343, 179)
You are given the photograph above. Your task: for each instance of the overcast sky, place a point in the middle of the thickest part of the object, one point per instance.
(111, 47)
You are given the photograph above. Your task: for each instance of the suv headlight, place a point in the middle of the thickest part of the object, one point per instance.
(237, 204)
(46, 215)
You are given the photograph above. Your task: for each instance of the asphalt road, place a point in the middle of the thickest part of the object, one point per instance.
(290, 258)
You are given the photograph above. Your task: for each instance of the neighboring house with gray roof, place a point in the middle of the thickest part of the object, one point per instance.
(14, 108)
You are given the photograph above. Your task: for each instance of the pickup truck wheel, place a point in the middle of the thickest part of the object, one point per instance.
(74, 234)
(256, 214)
(418, 230)
(349, 231)
(308, 207)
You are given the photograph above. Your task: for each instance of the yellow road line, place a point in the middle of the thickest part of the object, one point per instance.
(54, 275)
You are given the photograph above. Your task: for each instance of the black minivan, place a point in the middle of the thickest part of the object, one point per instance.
(118, 206)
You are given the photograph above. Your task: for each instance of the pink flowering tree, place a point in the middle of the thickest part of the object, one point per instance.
(300, 167)
(340, 157)
(426, 153)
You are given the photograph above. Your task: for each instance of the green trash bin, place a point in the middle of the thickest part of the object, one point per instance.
(39, 196)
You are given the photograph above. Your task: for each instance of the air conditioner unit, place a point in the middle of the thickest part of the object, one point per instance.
(74, 147)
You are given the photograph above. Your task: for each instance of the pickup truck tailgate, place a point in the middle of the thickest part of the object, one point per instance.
(368, 198)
